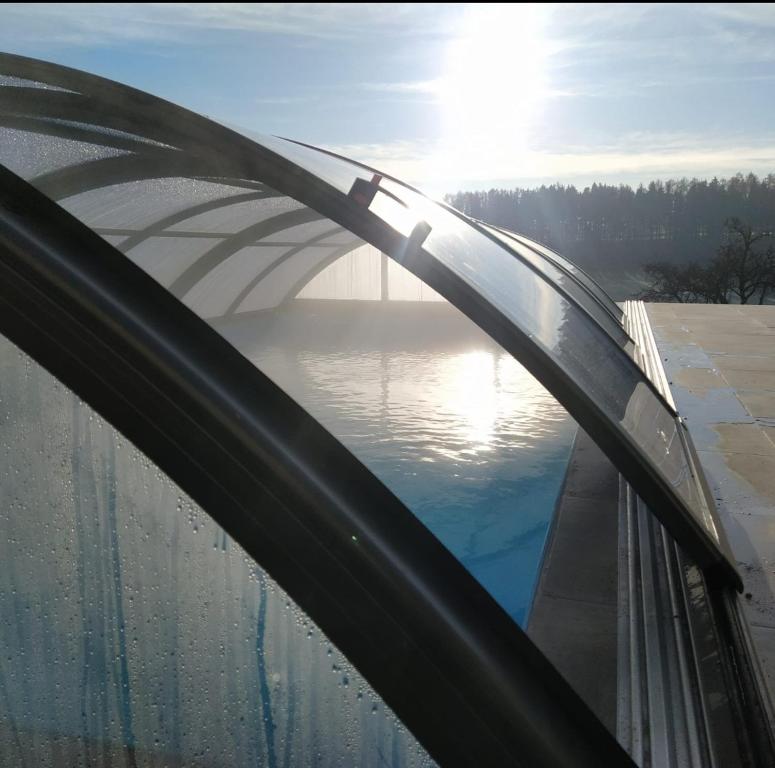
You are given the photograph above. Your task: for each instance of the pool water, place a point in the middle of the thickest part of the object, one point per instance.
(447, 419)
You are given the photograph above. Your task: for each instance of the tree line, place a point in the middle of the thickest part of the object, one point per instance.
(611, 229)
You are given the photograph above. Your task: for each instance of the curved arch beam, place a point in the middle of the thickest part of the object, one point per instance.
(246, 291)
(63, 130)
(219, 253)
(109, 171)
(176, 218)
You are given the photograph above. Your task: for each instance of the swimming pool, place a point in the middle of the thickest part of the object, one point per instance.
(447, 419)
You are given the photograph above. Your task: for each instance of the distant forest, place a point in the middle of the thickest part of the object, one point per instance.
(613, 231)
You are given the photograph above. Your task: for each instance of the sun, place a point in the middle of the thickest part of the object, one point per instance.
(492, 89)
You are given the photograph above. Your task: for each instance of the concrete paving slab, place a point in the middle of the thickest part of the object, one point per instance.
(740, 344)
(733, 362)
(758, 403)
(685, 356)
(699, 378)
(742, 438)
(750, 380)
(733, 492)
(583, 531)
(742, 325)
(756, 470)
(710, 406)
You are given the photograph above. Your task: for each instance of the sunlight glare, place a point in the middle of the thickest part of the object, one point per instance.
(492, 89)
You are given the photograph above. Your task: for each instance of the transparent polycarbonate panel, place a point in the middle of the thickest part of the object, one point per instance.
(234, 217)
(582, 277)
(138, 205)
(214, 294)
(344, 237)
(321, 230)
(167, 258)
(332, 170)
(359, 276)
(135, 633)
(449, 421)
(341, 174)
(32, 154)
(355, 276)
(285, 280)
(404, 286)
(568, 284)
(576, 344)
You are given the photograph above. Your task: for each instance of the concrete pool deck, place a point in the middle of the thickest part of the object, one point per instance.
(573, 619)
(720, 363)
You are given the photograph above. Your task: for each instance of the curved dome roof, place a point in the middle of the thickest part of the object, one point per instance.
(231, 225)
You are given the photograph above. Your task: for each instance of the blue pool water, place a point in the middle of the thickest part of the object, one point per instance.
(448, 420)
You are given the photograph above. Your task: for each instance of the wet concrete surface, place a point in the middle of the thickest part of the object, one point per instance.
(720, 362)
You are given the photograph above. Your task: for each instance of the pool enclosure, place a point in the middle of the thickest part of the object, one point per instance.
(206, 471)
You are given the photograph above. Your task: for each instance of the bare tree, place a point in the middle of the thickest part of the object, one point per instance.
(740, 273)
(750, 272)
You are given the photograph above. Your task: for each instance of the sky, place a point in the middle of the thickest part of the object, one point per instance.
(456, 96)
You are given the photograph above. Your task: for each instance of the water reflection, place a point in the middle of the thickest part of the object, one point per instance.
(459, 430)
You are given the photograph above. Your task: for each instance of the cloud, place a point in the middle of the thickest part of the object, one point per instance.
(103, 24)
(418, 86)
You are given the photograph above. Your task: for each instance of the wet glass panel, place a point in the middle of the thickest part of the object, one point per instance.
(337, 173)
(32, 154)
(580, 348)
(140, 204)
(569, 285)
(134, 633)
(490, 500)
(569, 266)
